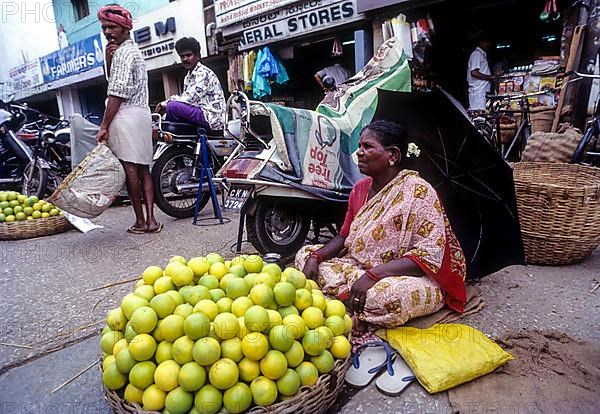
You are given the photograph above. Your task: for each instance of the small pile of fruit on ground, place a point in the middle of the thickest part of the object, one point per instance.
(18, 207)
(205, 334)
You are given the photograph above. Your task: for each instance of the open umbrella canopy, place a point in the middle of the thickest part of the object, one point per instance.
(473, 181)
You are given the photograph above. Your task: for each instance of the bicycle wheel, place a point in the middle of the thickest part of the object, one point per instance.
(588, 149)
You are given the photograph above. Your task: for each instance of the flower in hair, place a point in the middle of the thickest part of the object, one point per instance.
(413, 150)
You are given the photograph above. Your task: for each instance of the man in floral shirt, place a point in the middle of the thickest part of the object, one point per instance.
(202, 102)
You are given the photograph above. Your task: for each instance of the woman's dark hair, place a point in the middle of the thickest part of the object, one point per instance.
(186, 44)
(390, 134)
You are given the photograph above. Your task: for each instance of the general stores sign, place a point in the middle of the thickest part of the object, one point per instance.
(291, 21)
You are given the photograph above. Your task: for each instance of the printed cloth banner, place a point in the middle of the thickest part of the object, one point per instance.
(354, 102)
(316, 149)
(73, 59)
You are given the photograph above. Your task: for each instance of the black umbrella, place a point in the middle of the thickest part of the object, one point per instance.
(473, 181)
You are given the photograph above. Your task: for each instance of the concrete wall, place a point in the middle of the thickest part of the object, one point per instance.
(77, 30)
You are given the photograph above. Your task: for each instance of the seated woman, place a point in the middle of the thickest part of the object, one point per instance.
(396, 256)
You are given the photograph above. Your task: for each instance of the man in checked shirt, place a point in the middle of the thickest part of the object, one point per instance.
(202, 102)
(127, 126)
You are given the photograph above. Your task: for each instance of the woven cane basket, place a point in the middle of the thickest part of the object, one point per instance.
(33, 228)
(309, 400)
(559, 211)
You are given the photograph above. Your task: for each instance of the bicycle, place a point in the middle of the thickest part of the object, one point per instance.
(588, 149)
(499, 107)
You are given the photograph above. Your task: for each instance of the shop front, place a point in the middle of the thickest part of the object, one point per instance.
(303, 37)
(528, 49)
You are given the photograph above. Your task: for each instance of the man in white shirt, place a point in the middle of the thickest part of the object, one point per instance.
(336, 72)
(479, 76)
(202, 102)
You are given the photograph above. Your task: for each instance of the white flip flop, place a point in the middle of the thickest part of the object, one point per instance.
(369, 360)
(395, 383)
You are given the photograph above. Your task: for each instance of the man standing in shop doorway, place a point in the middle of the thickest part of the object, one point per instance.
(479, 76)
(330, 76)
(126, 126)
(202, 102)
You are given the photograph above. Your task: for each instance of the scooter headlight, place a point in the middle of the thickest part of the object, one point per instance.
(49, 139)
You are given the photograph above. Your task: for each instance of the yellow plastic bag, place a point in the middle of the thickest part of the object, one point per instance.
(446, 355)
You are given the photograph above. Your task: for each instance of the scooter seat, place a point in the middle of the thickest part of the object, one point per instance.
(180, 128)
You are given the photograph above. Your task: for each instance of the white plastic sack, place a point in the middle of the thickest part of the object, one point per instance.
(92, 186)
(83, 138)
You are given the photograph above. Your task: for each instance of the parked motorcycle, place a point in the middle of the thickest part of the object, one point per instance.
(52, 145)
(19, 168)
(177, 165)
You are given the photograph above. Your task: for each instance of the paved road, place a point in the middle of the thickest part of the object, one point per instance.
(47, 303)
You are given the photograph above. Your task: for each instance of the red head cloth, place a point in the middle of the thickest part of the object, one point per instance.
(116, 14)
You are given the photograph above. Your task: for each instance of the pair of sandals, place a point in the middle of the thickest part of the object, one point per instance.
(377, 357)
(134, 230)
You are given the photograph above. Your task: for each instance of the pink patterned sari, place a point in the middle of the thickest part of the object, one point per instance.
(405, 219)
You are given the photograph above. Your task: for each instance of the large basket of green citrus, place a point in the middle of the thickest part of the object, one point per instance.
(23, 217)
(207, 334)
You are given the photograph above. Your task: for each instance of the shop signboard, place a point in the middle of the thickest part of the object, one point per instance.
(368, 5)
(156, 32)
(296, 20)
(73, 59)
(228, 12)
(26, 76)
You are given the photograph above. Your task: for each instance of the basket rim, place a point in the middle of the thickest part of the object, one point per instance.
(20, 230)
(339, 369)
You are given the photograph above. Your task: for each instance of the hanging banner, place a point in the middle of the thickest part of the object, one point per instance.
(296, 20)
(26, 76)
(232, 11)
(73, 59)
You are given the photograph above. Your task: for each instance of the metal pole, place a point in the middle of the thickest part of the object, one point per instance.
(590, 16)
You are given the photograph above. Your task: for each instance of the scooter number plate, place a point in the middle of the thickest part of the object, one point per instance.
(236, 198)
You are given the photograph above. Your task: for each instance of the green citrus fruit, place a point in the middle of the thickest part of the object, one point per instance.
(208, 400)
(238, 398)
(206, 351)
(191, 377)
(179, 401)
(142, 374)
(264, 391)
(223, 374)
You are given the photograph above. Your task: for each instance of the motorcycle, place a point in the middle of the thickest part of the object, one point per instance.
(52, 145)
(278, 214)
(177, 165)
(18, 165)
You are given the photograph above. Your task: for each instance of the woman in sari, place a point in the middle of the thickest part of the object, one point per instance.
(396, 256)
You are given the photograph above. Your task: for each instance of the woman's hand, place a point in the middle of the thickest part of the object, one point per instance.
(358, 293)
(311, 268)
